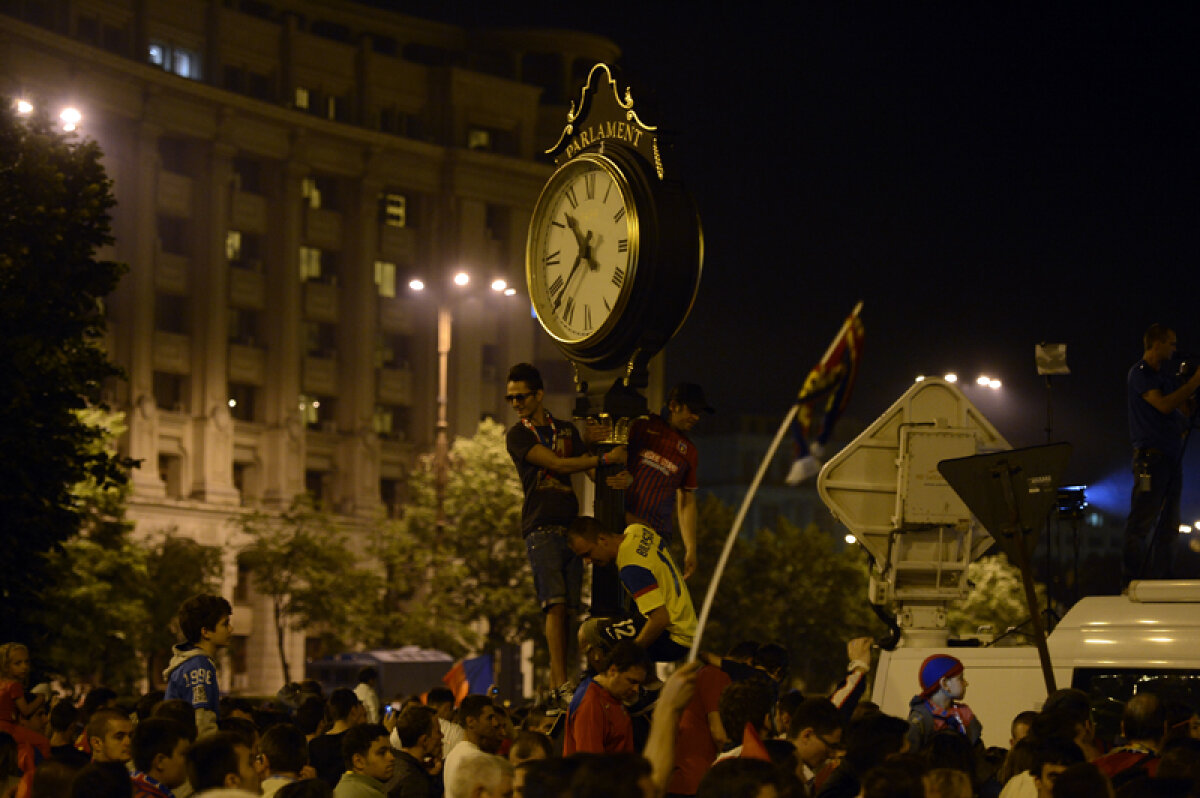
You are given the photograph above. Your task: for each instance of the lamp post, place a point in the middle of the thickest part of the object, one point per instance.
(445, 326)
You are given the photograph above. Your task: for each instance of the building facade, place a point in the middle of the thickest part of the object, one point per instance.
(283, 169)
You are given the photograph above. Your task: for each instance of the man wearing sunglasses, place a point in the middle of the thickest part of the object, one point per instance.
(546, 452)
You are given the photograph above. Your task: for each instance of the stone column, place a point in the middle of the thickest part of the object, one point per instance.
(358, 314)
(283, 442)
(212, 464)
(138, 321)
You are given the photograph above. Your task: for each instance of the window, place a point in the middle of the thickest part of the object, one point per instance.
(310, 263)
(233, 245)
(479, 138)
(317, 412)
(248, 174)
(385, 278)
(320, 339)
(242, 402)
(173, 235)
(300, 98)
(170, 471)
(244, 326)
(394, 208)
(170, 391)
(310, 193)
(319, 192)
(392, 422)
(316, 483)
(171, 314)
(390, 495)
(183, 61)
(393, 351)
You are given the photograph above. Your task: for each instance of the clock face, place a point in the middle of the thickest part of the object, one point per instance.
(582, 249)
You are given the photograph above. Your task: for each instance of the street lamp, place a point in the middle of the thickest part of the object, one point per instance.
(445, 325)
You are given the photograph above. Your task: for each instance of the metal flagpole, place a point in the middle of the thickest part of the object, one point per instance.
(758, 478)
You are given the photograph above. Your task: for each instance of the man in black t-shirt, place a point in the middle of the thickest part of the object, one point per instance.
(546, 451)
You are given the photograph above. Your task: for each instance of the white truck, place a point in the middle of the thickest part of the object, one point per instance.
(885, 487)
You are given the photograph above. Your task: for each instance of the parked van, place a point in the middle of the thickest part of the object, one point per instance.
(1107, 646)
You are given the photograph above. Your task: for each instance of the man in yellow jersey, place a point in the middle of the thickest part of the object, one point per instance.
(667, 621)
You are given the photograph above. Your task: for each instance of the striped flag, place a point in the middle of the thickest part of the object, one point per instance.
(469, 676)
(826, 392)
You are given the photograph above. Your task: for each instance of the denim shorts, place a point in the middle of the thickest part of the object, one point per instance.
(557, 572)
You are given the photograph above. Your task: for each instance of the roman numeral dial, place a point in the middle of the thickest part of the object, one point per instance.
(581, 257)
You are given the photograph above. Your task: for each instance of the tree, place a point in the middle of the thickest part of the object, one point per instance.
(300, 559)
(997, 599)
(110, 606)
(467, 582)
(54, 213)
(788, 585)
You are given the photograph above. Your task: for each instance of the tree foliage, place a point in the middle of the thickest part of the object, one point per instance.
(997, 599)
(787, 585)
(111, 602)
(55, 200)
(464, 585)
(302, 561)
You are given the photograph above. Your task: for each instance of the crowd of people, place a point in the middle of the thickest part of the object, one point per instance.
(635, 722)
(724, 726)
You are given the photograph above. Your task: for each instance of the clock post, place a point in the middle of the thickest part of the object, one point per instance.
(612, 263)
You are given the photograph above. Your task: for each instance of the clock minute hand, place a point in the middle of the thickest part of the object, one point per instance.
(578, 262)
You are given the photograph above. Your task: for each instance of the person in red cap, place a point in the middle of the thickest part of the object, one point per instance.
(938, 706)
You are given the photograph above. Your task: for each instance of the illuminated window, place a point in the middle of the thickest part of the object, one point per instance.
(300, 98)
(479, 138)
(233, 245)
(310, 192)
(186, 63)
(310, 263)
(173, 58)
(385, 278)
(395, 210)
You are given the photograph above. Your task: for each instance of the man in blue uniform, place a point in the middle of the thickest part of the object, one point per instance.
(1158, 402)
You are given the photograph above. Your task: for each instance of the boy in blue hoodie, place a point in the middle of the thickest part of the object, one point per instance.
(192, 674)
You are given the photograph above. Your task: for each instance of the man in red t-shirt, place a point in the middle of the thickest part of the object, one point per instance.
(663, 462)
(597, 722)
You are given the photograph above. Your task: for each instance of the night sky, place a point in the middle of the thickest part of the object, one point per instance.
(983, 176)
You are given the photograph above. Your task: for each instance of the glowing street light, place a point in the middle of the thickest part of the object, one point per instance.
(24, 107)
(951, 377)
(1185, 529)
(994, 384)
(462, 278)
(499, 286)
(71, 117)
(416, 284)
(983, 380)
(850, 538)
(920, 378)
